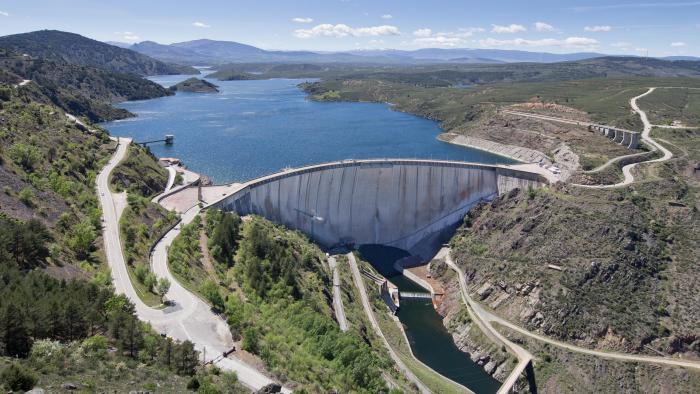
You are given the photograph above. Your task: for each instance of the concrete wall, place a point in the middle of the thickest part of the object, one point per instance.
(398, 203)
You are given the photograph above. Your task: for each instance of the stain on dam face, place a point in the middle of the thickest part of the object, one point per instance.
(399, 203)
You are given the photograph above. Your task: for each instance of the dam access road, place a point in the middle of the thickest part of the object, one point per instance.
(189, 318)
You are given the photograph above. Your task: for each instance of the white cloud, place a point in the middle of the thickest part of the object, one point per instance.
(423, 33)
(544, 27)
(426, 37)
(127, 36)
(597, 29)
(342, 30)
(513, 28)
(3, 13)
(200, 24)
(302, 20)
(570, 42)
(678, 44)
(387, 16)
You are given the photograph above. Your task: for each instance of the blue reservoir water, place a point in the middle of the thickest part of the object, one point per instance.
(252, 128)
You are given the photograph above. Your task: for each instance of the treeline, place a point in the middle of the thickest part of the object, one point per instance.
(35, 306)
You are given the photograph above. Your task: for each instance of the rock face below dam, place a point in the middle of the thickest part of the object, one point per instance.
(400, 203)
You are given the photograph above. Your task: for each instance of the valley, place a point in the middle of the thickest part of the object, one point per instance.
(250, 257)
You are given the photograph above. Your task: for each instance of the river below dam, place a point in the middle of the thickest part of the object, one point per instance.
(253, 128)
(429, 339)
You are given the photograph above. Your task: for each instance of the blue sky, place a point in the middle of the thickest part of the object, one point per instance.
(614, 26)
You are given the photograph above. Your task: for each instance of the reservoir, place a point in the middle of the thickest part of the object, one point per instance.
(253, 128)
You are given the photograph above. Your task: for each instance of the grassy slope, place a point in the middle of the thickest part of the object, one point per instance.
(664, 106)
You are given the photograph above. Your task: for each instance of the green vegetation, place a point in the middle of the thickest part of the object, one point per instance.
(37, 310)
(185, 260)
(474, 112)
(284, 283)
(195, 85)
(47, 171)
(664, 106)
(456, 74)
(139, 173)
(224, 229)
(143, 222)
(23, 244)
(275, 295)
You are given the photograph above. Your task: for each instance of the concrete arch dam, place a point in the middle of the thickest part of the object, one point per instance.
(400, 203)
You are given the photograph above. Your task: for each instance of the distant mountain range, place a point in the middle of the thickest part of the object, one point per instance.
(211, 52)
(76, 49)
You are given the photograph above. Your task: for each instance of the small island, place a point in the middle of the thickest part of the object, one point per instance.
(195, 85)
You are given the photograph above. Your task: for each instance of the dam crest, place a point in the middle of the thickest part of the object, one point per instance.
(407, 204)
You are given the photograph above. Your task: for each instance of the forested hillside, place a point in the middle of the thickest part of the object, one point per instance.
(75, 49)
(274, 288)
(61, 325)
(79, 90)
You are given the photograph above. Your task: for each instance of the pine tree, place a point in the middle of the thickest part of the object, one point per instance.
(13, 332)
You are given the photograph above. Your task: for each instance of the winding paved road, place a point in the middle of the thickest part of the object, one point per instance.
(189, 318)
(627, 169)
(490, 318)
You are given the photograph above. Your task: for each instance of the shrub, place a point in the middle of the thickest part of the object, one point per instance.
(95, 345)
(211, 292)
(26, 156)
(17, 378)
(46, 351)
(163, 287)
(141, 271)
(26, 196)
(81, 237)
(150, 281)
(250, 341)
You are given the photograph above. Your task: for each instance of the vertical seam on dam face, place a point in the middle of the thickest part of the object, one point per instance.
(392, 202)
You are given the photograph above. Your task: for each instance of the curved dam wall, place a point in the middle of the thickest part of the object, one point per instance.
(400, 203)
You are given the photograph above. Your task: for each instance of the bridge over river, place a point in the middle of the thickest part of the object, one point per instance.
(406, 204)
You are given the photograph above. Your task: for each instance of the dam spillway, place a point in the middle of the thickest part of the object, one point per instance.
(392, 202)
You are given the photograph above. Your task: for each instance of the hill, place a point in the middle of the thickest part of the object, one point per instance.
(195, 85)
(220, 52)
(173, 54)
(79, 90)
(76, 49)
